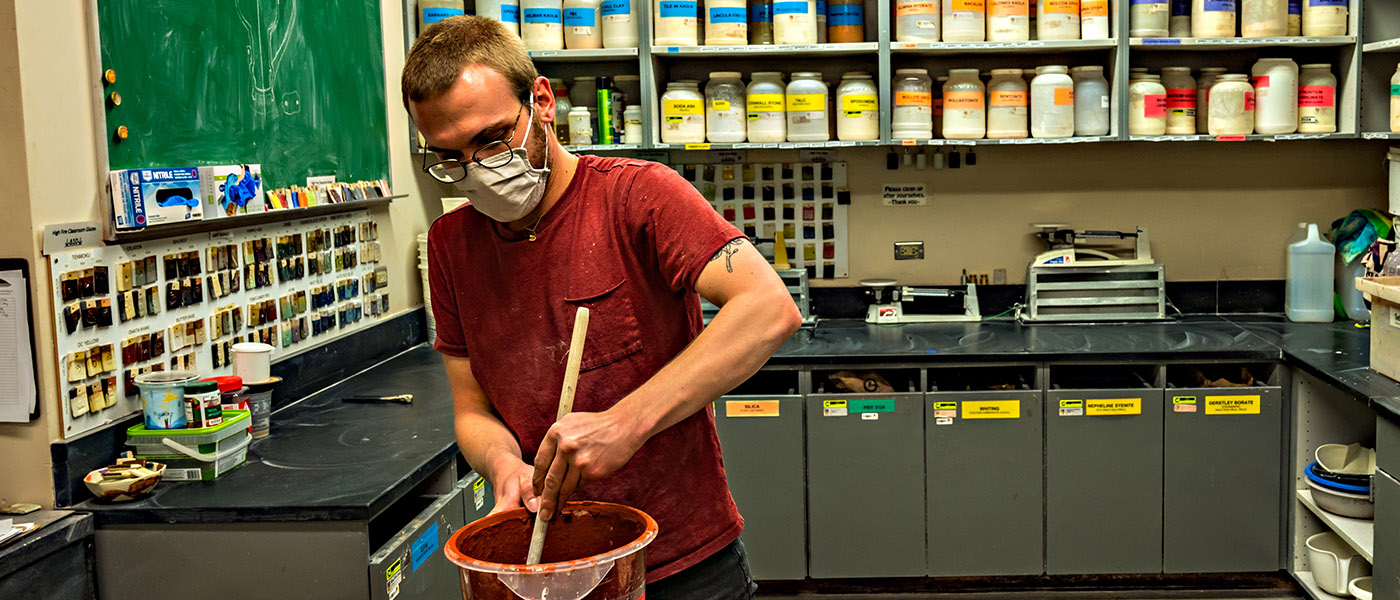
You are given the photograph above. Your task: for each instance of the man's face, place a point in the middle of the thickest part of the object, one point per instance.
(479, 109)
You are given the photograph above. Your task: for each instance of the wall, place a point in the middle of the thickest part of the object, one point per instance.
(1213, 210)
(47, 70)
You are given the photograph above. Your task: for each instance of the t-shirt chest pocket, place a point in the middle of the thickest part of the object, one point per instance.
(613, 330)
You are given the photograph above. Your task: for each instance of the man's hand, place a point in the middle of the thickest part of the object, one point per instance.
(514, 490)
(579, 449)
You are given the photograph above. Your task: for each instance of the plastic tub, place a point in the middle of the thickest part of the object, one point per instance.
(1340, 481)
(1356, 506)
(594, 551)
(260, 405)
(163, 398)
(1360, 588)
(144, 440)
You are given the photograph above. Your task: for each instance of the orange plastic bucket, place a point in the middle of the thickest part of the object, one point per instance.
(594, 551)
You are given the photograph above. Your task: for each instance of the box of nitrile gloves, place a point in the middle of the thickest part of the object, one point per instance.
(232, 190)
(142, 197)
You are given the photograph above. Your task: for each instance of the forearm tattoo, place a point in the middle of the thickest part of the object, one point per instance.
(728, 252)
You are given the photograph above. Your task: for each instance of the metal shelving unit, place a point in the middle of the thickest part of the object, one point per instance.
(1361, 84)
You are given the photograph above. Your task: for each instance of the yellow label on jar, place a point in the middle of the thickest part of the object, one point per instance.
(806, 102)
(855, 103)
(765, 103)
(1062, 6)
(720, 104)
(682, 107)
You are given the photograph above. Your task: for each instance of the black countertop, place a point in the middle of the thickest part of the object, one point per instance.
(327, 460)
(57, 529)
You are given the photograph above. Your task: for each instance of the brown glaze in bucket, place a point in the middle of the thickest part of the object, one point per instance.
(587, 540)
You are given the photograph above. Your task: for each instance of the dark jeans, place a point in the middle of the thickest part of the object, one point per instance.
(723, 576)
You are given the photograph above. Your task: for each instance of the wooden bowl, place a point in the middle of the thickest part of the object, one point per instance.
(126, 489)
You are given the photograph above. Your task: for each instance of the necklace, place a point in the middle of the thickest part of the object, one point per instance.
(532, 228)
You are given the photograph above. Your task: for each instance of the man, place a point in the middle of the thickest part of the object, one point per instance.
(548, 232)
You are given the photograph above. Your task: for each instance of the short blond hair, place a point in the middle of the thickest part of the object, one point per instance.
(450, 45)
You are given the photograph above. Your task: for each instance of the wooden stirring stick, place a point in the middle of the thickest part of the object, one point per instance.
(566, 404)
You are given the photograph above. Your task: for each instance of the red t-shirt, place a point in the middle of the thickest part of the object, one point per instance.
(628, 239)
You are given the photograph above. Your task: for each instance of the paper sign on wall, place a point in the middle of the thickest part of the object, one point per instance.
(992, 409)
(904, 194)
(1232, 405)
(1113, 407)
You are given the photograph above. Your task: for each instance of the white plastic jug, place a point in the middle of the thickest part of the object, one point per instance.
(1310, 273)
(1353, 303)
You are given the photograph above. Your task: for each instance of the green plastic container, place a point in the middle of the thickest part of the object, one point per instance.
(195, 454)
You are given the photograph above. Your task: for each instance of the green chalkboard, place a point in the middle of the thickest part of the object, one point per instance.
(294, 85)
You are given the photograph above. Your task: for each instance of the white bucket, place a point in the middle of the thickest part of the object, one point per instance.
(252, 361)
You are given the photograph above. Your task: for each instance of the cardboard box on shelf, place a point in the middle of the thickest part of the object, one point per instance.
(232, 190)
(143, 197)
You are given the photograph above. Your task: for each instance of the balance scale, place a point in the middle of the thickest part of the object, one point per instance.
(1093, 276)
(889, 308)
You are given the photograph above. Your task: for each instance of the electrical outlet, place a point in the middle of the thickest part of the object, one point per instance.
(908, 250)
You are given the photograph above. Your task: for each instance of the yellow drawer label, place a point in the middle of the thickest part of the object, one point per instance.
(751, 408)
(992, 409)
(1113, 407)
(1232, 405)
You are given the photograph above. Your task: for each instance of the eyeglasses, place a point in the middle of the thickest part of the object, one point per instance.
(494, 155)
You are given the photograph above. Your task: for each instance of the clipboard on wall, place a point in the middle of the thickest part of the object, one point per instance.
(18, 370)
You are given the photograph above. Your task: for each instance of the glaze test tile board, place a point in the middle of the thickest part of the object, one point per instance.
(278, 296)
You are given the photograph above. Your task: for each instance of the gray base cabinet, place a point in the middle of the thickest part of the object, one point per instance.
(1103, 480)
(985, 483)
(865, 492)
(1223, 486)
(1387, 568)
(761, 437)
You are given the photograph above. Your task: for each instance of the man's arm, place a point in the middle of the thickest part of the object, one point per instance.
(756, 316)
(486, 443)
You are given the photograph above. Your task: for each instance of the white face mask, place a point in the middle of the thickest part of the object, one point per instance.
(510, 192)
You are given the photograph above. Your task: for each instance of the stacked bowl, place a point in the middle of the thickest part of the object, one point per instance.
(1340, 479)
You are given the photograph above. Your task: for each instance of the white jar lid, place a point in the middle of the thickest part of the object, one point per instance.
(726, 75)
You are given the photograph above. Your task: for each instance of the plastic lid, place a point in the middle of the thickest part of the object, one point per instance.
(1140, 69)
(972, 72)
(166, 378)
(1146, 77)
(1006, 71)
(1234, 77)
(807, 74)
(1052, 69)
(1214, 69)
(725, 75)
(1327, 66)
(631, 107)
(201, 387)
(579, 109)
(905, 71)
(1176, 69)
(767, 74)
(227, 383)
(1087, 68)
(855, 75)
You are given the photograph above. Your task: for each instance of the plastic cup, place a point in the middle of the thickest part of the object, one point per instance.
(163, 398)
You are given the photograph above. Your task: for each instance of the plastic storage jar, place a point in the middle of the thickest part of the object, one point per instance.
(1149, 18)
(1180, 26)
(1052, 103)
(1181, 100)
(1008, 20)
(1213, 18)
(1276, 94)
(724, 108)
(1395, 101)
(767, 108)
(1203, 85)
(542, 24)
(1093, 19)
(432, 11)
(1263, 18)
(1008, 105)
(964, 106)
(562, 105)
(912, 118)
(619, 19)
(794, 22)
(1231, 106)
(632, 124)
(1310, 272)
(964, 21)
(1092, 104)
(1317, 99)
(821, 21)
(845, 21)
(1057, 20)
(677, 22)
(581, 30)
(1147, 106)
(682, 114)
(726, 22)
(761, 22)
(507, 12)
(807, 119)
(580, 126)
(1324, 17)
(916, 21)
(858, 108)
